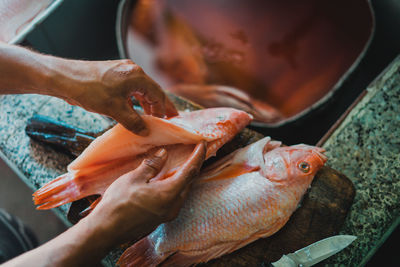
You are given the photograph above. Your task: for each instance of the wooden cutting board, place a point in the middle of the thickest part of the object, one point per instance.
(321, 214)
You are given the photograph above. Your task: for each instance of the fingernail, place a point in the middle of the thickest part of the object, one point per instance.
(161, 152)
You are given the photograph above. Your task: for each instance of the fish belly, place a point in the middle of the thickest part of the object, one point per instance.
(230, 211)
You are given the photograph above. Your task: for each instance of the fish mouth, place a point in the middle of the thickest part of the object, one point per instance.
(318, 151)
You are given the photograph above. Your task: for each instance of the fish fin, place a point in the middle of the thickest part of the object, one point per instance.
(248, 154)
(57, 192)
(142, 253)
(231, 171)
(241, 161)
(271, 145)
(77, 184)
(217, 166)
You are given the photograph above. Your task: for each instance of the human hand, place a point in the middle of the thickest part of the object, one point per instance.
(106, 87)
(134, 205)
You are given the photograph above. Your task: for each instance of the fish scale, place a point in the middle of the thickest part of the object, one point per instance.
(225, 213)
(215, 210)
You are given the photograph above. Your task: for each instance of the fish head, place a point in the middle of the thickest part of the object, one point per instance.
(287, 164)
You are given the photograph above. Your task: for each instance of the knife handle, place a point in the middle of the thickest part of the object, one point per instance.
(59, 135)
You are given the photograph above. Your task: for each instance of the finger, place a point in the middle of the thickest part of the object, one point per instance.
(155, 98)
(170, 110)
(130, 119)
(189, 169)
(151, 166)
(147, 109)
(144, 104)
(157, 109)
(181, 197)
(149, 92)
(151, 102)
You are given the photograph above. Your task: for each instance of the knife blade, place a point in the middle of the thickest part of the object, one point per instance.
(315, 252)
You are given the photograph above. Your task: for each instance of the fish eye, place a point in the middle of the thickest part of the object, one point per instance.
(304, 167)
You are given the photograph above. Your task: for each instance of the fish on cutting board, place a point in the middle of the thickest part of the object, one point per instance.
(119, 151)
(249, 194)
(226, 96)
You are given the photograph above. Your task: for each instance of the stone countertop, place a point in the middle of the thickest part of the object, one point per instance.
(365, 147)
(36, 164)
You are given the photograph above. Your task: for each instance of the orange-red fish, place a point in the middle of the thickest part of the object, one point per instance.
(211, 96)
(119, 151)
(245, 196)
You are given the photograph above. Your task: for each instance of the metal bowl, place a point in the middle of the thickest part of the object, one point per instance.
(309, 124)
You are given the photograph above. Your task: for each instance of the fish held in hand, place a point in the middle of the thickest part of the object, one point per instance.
(119, 151)
(247, 195)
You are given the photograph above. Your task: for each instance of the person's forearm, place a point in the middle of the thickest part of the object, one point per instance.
(105, 87)
(82, 245)
(25, 71)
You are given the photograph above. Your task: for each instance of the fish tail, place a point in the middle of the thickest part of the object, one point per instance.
(58, 192)
(142, 253)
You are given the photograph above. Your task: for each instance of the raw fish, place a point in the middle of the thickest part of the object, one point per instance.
(247, 195)
(211, 96)
(119, 151)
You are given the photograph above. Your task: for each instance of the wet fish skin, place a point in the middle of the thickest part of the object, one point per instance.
(119, 151)
(225, 212)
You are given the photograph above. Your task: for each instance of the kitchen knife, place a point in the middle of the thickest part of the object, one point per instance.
(315, 252)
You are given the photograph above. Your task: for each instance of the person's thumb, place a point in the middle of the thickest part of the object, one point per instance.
(151, 166)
